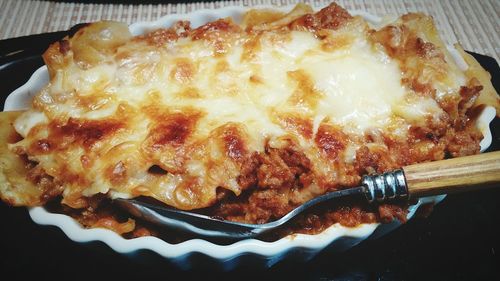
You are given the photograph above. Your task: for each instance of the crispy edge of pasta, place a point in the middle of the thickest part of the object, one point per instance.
(488, 95)
(266, 19)
(15, 188)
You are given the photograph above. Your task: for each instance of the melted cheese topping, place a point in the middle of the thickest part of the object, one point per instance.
(199, 103)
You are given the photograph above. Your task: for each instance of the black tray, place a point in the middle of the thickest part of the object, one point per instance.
(459, 241)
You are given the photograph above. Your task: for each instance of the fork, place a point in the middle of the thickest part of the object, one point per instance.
(419, 180)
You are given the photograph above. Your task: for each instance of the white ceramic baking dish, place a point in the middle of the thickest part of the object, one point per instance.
(187, 254)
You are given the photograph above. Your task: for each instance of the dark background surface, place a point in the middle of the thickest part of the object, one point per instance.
(458, 241)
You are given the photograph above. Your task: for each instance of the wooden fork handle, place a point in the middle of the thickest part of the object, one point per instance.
(453, 175)
(433, 178)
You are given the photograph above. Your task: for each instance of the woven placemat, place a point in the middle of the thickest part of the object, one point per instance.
(475, 24)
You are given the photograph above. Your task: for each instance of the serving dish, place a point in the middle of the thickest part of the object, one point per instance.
(185, 254)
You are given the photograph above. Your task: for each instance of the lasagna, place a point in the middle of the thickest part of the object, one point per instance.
(239, 120)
